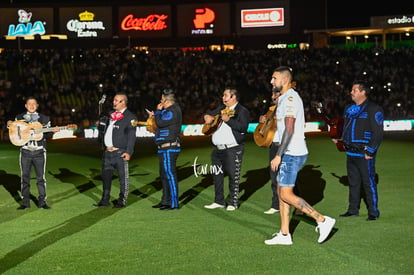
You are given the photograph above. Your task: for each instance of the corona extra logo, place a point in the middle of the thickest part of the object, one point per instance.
(25, 27)
(86, 16)
(85, 26)
(203, 16)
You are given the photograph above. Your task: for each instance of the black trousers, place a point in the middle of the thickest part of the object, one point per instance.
(273, 174)
(361, 175)
(227, 162)
(168, 173)
(112, 161)
(37, 160)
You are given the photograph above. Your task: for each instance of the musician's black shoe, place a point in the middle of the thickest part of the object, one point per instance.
(347, 214)
(22, 207)
(167, 207)
(101, 204)
(372, 218)
(158, 205)
(119, 205)
(44, 206)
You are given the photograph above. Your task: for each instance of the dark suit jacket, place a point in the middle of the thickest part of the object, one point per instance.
(124, 134)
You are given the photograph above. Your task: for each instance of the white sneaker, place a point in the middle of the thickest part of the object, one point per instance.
(325, 228)
(230, 208)
(279, 238)
(213, 206)
(271, 211)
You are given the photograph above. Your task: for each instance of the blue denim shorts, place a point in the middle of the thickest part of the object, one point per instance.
(289, 168)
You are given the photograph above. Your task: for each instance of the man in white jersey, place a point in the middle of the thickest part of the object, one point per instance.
(290, 158)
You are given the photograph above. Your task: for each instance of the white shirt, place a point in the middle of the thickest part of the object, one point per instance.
(290, 105)
(108, 133)
(276, 137)
(224, 134)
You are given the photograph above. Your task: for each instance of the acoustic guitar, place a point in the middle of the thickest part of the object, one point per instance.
(264, 132)
(150, 123)
(336, 126)
(21, 132)
(210, 128)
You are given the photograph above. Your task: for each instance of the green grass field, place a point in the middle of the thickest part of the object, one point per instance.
(76, 238)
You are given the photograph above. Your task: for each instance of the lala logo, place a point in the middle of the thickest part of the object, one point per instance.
(26, 27)
(24, 17)
(203, 17)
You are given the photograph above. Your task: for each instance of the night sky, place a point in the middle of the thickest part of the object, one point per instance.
(327, 13)
(357, 13)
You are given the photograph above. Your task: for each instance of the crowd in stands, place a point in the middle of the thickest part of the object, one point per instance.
(69, 83)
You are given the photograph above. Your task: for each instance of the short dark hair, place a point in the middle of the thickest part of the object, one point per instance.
(169, 95)
(167, 91)
(29, 98)
(363, 86)
(285, 70)
(233, 91)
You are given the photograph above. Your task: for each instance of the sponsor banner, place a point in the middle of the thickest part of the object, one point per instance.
(310, 127)
(262, 17)
(86, 22)
(395, 21)
(202, 20)
(26, 21)
(145, 21)
(253, 18)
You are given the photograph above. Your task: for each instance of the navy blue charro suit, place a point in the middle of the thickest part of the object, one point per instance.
(362, 135)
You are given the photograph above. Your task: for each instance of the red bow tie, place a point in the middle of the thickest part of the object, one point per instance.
(116, 116)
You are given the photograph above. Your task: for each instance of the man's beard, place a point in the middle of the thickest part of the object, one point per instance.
(276, 89)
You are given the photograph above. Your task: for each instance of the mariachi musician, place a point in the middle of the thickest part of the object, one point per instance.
(168, 120)
(228, 140)
(33, 154)
(270, 134)
(118, 140)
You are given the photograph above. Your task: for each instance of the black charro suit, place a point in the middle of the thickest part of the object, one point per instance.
(124, 134)
(229, 156)
(33, 154)
(122, 141)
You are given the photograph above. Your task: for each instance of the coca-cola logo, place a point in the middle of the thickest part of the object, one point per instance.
(153, 22)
